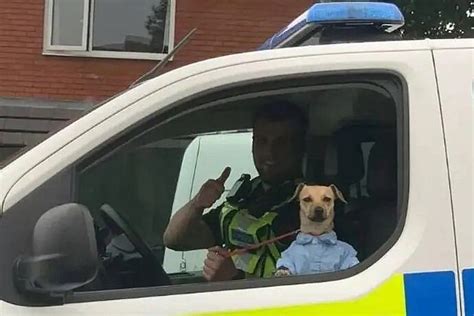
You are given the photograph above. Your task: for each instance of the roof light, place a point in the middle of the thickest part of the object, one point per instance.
(346, 12)
(386, 16)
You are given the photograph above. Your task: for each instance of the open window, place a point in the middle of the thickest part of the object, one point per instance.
(136, 181)
(353, 142)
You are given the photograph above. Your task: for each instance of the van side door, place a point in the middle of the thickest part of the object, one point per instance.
(456, 92)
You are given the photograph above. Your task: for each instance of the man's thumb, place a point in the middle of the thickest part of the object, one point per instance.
(224, 175)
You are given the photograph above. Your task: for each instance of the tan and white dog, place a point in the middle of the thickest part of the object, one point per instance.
(316, 248)
(317, 208)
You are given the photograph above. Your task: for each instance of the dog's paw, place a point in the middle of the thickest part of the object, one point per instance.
(282, 273)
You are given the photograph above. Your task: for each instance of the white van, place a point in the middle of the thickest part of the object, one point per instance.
(413, 230)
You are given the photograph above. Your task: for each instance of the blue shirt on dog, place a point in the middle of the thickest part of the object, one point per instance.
(310, 254)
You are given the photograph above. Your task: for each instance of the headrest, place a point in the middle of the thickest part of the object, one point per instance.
(344, 160)
(382, 170)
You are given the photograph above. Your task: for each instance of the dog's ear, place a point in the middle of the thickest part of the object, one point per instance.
(297, 192)
(338, 193)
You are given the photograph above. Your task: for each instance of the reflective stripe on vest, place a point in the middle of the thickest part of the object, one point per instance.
(240, 229)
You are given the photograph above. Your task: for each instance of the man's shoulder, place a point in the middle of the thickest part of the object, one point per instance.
(241, 189)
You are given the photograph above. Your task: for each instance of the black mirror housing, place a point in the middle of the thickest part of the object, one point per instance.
(63, 252)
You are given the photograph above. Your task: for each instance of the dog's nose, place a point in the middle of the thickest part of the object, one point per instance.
(319, 212)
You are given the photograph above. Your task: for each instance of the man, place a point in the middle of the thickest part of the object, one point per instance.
(279, 134)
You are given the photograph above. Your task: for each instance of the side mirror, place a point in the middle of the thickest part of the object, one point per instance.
(63, 252)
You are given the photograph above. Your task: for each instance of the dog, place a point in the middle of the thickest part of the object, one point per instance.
(316, 248)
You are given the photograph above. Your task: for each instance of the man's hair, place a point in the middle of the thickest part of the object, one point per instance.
(283, 111)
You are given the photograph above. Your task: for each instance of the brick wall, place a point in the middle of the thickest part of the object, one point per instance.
(224, 27)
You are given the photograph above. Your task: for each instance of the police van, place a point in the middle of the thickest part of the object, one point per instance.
(390, 123)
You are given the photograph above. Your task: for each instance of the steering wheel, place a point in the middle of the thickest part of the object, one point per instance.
(115, 221)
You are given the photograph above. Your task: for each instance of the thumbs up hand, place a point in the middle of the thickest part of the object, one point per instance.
(211, 191)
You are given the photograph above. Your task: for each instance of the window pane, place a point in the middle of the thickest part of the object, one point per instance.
(351, 143)
(132, 26)
(68, 19)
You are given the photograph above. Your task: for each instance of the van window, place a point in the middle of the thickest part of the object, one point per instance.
(353, 141)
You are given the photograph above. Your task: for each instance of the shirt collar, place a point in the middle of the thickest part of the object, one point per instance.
(326, 238)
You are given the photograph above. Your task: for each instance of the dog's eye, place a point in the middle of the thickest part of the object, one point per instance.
(307, 199)
(326, 199)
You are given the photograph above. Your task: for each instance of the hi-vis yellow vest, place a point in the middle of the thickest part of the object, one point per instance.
(240, 229)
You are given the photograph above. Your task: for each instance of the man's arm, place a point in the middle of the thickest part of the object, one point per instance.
(187, 230)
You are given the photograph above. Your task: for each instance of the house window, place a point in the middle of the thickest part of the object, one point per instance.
(141, 29)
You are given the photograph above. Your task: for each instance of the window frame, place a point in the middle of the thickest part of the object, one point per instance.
(48, 29)
(85, 49)
(213, 98)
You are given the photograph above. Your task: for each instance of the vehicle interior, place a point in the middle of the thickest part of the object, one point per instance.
(131, 191)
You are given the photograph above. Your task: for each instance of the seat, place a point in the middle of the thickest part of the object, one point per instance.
(345, 165)
(350, 171)
(380, 209)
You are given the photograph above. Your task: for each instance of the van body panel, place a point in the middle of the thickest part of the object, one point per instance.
(455, 73)
(424, 254)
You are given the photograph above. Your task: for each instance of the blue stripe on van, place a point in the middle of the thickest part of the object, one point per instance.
(430, 293)
(468, 287)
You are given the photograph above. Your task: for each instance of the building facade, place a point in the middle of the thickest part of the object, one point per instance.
(59, 57)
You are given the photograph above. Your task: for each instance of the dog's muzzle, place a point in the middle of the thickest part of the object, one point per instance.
(317, 215)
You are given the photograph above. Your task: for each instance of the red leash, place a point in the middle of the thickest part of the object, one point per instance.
(256, 246)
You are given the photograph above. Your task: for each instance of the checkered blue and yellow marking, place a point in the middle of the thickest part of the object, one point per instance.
(413, 294)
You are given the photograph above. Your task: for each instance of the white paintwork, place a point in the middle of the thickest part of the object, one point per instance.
(455, 70)
(427, 241)
(48, 28)
(467, 43)
(103, 54)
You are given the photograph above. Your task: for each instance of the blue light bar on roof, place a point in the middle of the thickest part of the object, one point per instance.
(346, 12)
(386, 15)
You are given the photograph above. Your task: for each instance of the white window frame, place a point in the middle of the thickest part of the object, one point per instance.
(48, 35)
(85, 49)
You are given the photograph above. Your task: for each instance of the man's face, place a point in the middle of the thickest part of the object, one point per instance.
(277, 150)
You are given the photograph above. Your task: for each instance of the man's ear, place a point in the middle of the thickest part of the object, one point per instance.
(338, 193)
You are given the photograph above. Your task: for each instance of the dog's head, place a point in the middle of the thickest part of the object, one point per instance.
(317, 204)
